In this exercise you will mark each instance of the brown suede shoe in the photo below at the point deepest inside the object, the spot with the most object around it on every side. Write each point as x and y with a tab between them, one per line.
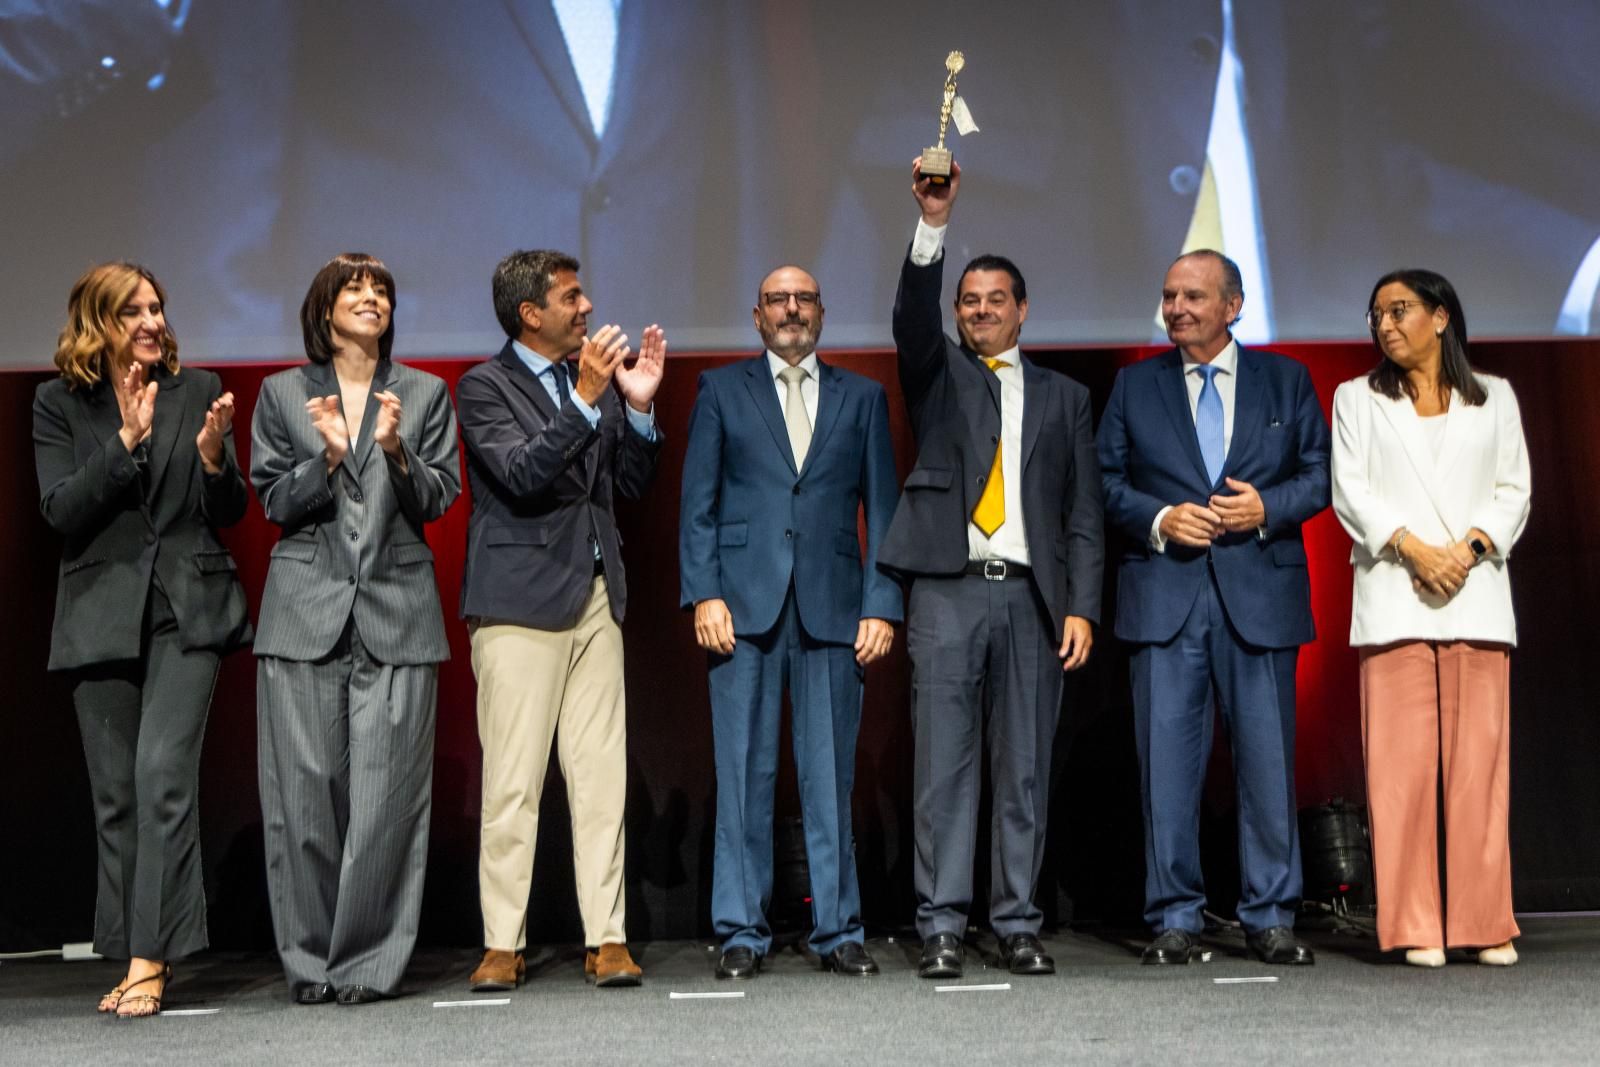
611	966
501	969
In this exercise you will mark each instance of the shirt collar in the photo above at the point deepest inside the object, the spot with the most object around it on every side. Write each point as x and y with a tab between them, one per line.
532	360
1012	356
1227	361
775	364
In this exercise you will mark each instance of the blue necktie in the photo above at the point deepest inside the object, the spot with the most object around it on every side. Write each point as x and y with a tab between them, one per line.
1208	423
558	375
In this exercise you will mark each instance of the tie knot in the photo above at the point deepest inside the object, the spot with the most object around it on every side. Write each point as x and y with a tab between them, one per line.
995	364
793	375
1207	371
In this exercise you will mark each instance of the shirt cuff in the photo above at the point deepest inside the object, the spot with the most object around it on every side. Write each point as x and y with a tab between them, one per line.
643	423
1158	543
592	414
928	244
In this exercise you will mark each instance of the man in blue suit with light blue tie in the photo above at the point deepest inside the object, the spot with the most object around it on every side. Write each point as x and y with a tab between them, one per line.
785	452
1212	456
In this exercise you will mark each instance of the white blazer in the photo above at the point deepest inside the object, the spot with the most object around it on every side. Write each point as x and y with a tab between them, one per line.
1385	476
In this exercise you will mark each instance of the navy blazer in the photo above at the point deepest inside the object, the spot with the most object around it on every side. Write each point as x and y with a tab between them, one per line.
750	522
1150	458
542	484
117	537
954	402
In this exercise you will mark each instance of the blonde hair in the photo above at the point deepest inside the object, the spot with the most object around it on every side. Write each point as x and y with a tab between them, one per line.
89	336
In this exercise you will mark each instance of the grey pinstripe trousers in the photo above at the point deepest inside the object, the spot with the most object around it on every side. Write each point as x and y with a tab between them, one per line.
346	766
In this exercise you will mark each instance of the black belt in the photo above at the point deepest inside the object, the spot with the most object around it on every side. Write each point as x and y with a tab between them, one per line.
998	570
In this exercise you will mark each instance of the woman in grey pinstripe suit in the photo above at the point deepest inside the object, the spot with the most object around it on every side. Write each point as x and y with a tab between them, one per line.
351	455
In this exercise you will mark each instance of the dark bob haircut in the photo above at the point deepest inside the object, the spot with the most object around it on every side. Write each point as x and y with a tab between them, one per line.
317	308
1435	291
1019	288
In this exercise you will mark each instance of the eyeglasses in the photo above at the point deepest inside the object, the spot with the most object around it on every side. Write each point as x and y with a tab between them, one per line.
1395	311
779	299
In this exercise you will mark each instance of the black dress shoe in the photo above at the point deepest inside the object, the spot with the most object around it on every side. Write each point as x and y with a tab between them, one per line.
313	993
360	994
850	958
941	957
1171	946
1277	944
737	962
1024	954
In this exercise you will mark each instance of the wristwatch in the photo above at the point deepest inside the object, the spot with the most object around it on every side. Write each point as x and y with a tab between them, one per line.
1479	549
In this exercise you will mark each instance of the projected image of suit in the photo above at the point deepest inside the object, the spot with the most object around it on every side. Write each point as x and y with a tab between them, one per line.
679	150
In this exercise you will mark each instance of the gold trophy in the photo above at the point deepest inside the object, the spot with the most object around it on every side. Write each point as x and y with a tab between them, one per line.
936	160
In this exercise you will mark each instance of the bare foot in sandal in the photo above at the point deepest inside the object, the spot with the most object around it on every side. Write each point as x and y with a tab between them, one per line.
108	1003
142	997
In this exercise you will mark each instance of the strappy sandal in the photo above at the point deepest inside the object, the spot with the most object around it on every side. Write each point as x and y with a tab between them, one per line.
109	1002
144	1005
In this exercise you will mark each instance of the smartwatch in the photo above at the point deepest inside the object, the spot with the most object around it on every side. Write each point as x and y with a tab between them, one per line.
1479	549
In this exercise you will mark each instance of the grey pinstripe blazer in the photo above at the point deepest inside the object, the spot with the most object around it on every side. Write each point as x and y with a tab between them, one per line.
352	542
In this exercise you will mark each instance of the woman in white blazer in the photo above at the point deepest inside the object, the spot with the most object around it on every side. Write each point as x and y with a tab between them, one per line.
1430	479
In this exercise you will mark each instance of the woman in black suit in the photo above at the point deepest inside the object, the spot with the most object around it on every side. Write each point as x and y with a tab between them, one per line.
136	472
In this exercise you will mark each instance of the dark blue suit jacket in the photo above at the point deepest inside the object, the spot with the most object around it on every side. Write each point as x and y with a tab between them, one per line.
1150	458
543	482
750	522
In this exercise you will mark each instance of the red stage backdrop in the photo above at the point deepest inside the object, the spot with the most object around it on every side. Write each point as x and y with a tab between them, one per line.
1094	866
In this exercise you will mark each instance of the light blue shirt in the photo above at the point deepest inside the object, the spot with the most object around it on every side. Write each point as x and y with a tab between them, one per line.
544	370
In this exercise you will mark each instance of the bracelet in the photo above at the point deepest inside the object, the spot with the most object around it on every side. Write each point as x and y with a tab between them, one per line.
1398	541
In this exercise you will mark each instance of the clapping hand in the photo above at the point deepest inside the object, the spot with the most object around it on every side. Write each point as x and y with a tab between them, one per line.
329	421
387	432
137	401
219	419
598	361
638	383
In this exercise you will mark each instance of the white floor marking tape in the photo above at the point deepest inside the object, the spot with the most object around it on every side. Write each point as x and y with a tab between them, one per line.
192	1011
995	988
735	995
475	1003
1240	981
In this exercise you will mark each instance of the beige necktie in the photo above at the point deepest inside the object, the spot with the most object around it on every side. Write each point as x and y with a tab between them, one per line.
990	514
795	418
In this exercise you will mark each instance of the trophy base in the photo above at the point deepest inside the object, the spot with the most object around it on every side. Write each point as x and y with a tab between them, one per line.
936	165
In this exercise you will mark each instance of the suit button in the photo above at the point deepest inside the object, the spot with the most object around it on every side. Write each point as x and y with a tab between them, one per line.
356	497
787	534
149	537
980	479
1185	180
797	490
994	439
354	536
350	580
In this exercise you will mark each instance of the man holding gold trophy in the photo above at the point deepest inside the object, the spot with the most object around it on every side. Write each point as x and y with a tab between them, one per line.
999	535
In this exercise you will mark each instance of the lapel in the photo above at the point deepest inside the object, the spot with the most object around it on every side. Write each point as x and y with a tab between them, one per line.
1414	443
1169	383
362	447
1034	386
830	387
526	382
1248	394
982	418
764	394
541	31
166	431
100	407
320	381
1458	430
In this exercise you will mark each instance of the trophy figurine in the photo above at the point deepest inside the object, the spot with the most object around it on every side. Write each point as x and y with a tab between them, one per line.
936	160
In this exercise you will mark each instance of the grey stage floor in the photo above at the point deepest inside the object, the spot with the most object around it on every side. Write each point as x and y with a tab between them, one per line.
1354	1007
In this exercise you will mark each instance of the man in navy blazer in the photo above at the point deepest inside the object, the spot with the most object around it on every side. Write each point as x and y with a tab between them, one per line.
1001	536
1212	456
785	452
555	426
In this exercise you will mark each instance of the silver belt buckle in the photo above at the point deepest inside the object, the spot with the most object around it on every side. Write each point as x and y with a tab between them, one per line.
994	570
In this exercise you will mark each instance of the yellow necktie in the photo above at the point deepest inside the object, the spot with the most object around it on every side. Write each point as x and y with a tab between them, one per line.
990	514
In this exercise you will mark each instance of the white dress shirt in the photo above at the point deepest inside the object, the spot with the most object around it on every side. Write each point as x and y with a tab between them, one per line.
808	385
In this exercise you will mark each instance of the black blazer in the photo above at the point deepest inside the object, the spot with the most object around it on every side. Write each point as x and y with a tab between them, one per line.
117	537
954	403
542	484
